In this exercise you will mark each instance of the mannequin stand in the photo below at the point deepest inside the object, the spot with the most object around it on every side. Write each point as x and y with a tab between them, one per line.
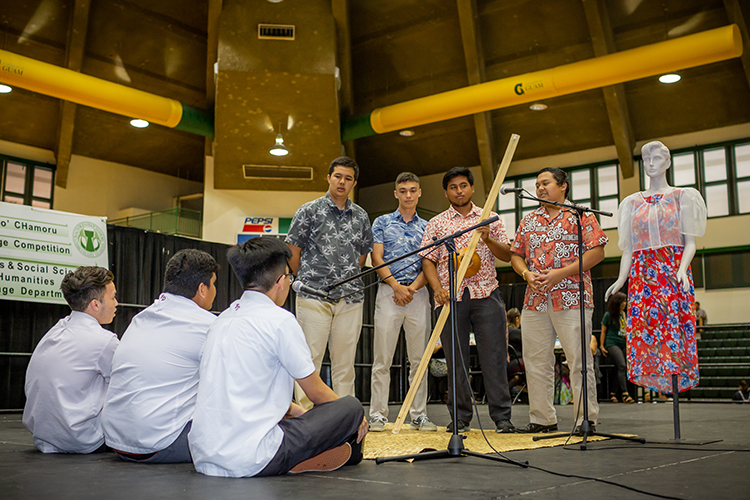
676	418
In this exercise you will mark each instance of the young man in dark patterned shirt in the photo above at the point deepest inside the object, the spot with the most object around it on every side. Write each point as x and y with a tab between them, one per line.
330	238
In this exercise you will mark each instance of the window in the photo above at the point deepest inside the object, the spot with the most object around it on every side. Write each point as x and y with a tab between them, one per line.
720	172
741	153
595	186
27	183
729	269
715	176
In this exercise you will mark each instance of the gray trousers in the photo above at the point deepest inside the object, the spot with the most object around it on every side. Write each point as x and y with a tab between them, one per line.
176	453
389	318
486	318
319	429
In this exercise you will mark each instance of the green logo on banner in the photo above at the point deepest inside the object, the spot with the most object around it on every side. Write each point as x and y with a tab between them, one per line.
88	239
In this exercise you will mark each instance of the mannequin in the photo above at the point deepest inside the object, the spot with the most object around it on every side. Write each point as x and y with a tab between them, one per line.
657	229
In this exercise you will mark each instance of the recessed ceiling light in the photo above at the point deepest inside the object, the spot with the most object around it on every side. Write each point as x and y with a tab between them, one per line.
670	78
538	106
407	133
4	89
138	123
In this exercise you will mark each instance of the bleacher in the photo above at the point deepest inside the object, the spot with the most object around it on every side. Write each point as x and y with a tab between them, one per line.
724	360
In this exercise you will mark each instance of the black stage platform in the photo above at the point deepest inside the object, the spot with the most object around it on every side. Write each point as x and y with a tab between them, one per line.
714	471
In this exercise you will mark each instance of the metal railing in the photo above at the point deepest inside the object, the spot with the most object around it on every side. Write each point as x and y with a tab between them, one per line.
177	221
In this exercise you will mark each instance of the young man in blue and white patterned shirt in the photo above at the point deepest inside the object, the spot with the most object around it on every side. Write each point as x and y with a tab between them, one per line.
330	238
402	300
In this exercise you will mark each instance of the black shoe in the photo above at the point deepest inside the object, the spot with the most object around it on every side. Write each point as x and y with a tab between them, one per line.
579	431
505	427
462	426
533	428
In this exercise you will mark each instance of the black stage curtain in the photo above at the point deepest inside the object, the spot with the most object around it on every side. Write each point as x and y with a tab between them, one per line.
138	258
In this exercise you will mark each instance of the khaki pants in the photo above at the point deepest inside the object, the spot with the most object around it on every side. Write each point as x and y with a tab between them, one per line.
338	326
538	334
389	318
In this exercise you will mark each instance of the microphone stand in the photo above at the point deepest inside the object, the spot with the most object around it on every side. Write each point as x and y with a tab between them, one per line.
586	426
455	444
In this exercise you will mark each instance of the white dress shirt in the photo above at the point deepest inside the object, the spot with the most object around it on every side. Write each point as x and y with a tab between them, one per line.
254	352
154	381
66	382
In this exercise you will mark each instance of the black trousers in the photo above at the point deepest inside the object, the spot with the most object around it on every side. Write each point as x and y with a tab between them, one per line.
486	318
617	355
319	429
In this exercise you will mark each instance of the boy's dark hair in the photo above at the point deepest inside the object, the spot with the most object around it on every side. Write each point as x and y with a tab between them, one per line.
406	177
187	269
344	161
560	176
259	262
456	172
85	284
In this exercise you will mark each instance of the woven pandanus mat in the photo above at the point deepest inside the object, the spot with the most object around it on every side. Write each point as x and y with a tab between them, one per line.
409	441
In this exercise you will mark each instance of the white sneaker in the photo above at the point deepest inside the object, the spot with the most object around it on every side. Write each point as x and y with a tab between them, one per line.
377	424
422	423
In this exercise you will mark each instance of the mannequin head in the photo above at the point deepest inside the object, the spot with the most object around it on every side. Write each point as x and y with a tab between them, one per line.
656	159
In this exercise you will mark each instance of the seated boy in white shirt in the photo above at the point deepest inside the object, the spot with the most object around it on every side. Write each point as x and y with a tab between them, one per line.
245	423
68	373
151	396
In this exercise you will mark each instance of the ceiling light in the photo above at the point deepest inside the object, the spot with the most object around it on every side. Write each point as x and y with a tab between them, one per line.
4	89
279	149
538	106
407	133
670	78
138	123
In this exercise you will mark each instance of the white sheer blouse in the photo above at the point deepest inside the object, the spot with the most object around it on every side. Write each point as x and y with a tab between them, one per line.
647	222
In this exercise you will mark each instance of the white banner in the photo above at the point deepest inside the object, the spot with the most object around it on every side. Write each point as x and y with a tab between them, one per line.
38	247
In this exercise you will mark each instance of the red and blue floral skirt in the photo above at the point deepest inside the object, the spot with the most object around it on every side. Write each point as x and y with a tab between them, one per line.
661	322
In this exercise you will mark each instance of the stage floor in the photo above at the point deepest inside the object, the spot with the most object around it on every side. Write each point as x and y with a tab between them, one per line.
714	471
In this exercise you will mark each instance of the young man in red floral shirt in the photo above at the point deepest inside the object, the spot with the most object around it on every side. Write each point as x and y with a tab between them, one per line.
479	308
545	254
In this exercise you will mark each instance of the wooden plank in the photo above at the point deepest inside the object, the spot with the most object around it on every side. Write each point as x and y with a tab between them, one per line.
468	17
602	39
74	51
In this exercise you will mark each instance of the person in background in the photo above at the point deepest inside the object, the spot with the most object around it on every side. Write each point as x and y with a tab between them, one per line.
701	317
515	356
743	394
613	342
69	371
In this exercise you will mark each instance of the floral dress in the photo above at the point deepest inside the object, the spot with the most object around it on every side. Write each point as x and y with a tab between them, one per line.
660	320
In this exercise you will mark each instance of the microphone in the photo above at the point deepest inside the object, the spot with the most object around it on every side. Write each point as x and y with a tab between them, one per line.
298	287
506	190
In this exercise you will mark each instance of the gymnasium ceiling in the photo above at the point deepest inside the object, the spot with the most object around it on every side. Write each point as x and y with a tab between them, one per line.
400	50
